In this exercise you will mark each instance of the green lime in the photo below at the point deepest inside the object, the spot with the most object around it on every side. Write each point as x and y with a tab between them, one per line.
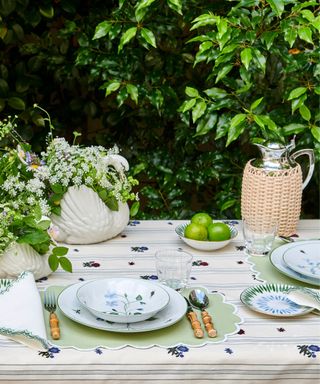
201	218
196	231
218	232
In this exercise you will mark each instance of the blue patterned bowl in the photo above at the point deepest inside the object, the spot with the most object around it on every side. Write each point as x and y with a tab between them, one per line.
123	300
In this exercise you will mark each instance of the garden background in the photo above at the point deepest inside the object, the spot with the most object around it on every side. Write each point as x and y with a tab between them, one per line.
183	87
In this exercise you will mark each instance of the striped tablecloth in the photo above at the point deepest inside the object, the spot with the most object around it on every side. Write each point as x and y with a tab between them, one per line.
264	349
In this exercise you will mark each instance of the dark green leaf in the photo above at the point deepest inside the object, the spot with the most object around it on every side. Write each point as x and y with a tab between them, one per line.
305	34
17	103
112	203
134	208
246	57
216	93
227	204
255	104
128	35
102	29
60	251
142	8
277	6
268	38
133	92
44	224
258	121
198	110
305	112
259	59
47	11
187	105
191	92
316	23
53	262
295	93
290	35
176	5
316	133
272	126
235	127
58	188
65	264
203	20
35	237
149	37
112	87
293	128
206	124
307	14
223	72
296	103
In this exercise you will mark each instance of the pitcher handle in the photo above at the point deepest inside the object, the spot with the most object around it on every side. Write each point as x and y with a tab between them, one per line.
310	154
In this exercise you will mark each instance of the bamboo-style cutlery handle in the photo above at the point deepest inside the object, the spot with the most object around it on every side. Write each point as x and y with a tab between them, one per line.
195	323
54	326
207	321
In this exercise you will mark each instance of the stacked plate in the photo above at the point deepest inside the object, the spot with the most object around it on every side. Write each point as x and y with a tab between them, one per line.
122	305
299	260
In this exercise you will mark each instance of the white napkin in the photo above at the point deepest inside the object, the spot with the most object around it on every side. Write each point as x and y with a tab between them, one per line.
21	315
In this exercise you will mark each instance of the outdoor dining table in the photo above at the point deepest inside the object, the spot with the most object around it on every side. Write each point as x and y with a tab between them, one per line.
251	347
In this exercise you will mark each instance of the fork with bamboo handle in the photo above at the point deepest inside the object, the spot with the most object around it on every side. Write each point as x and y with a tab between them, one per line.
50	305
201	301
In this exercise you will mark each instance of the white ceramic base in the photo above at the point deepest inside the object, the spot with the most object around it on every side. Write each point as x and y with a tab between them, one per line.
22	257
85	219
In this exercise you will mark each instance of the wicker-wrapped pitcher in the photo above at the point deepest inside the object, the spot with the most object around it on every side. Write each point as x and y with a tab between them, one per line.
272	187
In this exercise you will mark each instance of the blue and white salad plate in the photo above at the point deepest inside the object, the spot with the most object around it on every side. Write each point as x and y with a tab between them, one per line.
304	258
273	300
276	259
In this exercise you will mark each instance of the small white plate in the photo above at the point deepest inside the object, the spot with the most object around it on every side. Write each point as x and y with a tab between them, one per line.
304	258
205	245
171	314
272	299
276	259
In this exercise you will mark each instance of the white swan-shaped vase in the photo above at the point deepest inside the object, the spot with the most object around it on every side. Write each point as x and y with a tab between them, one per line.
85	219
18	258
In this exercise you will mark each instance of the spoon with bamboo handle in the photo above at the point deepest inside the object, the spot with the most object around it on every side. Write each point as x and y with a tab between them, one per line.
201	301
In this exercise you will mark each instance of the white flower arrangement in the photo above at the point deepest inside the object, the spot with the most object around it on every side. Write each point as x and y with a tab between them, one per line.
32	186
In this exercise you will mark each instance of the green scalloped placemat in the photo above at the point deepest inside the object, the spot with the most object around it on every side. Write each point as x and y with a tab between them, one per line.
267	272
74	335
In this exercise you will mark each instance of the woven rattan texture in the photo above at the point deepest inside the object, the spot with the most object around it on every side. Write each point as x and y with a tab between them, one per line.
268	197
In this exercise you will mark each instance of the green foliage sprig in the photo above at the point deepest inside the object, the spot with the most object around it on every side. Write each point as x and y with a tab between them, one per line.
145	56
23	211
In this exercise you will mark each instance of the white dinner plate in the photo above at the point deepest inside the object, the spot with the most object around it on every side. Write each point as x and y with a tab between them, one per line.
171	314
304	258
276	258
272	299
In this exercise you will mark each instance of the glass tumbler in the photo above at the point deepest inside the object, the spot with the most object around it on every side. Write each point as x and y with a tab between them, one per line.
173	267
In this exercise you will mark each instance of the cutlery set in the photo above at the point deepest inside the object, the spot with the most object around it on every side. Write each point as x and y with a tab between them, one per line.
68	300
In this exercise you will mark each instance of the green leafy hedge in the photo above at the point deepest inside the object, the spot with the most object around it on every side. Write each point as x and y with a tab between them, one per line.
183	87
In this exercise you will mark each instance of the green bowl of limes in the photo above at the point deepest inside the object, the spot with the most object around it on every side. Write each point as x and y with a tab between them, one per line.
205	234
